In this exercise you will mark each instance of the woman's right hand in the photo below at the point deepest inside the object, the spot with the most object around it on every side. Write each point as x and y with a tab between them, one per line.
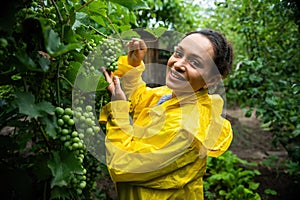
114	86
136	51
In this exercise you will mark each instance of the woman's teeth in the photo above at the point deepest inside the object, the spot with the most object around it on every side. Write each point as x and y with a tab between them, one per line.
176	75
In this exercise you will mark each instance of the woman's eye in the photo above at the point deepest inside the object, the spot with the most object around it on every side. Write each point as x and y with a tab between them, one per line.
195	63
178	54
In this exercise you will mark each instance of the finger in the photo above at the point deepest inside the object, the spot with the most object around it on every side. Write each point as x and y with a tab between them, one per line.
134	44
108	79
129	46
116	81
106	74
143	45
118	92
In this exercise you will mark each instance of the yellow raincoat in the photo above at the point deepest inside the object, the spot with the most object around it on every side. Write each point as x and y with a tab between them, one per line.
159	151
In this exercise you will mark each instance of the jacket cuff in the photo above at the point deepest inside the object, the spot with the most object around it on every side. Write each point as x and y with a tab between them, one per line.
124	67
116	109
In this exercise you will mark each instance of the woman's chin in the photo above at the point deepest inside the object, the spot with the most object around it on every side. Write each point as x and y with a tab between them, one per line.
182	89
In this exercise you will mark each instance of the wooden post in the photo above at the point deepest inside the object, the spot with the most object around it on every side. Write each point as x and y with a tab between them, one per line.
154	75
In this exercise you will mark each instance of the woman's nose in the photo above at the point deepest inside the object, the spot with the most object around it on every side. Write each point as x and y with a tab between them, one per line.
180	64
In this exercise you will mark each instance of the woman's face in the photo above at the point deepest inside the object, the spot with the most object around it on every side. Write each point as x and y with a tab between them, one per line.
189	67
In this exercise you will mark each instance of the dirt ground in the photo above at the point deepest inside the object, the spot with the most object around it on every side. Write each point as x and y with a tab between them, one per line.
253	144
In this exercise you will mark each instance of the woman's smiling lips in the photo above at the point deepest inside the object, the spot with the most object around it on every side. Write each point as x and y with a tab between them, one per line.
176	75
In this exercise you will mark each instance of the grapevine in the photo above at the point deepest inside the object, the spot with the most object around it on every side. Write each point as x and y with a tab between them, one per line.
46	45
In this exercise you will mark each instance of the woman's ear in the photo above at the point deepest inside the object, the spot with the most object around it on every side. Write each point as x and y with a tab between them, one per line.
213	80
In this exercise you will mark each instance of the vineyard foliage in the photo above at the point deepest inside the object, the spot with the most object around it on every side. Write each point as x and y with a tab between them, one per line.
51	85
265	79
45	46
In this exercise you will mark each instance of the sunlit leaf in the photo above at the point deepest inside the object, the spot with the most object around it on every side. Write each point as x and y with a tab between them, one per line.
156	32
90	83
133	4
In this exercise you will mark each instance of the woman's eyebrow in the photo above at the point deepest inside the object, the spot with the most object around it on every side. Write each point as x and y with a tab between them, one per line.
196	56
178	47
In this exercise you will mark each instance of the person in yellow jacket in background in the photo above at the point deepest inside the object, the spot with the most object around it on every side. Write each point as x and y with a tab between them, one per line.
158	139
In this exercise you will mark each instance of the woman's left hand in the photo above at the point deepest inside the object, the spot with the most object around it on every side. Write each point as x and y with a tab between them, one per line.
114	86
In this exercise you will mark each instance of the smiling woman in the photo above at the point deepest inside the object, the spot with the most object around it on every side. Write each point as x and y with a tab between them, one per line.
190	66
158	139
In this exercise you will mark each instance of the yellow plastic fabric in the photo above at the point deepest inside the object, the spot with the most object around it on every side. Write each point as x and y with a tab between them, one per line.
159	151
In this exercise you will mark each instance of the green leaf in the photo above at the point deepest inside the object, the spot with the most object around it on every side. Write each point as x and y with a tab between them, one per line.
63	165
81	19
253	185
90	83
266	126
46	107
53	43
25	102
133	4
44	63
270	192
70	36
25	60
156	32
99	20
40	168
97	8
271	101
59	193
73	71
129	34
54	46
50	126
27	106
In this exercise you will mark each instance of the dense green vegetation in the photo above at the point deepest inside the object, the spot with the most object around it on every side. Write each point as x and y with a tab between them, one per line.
49	111
266	77
47	125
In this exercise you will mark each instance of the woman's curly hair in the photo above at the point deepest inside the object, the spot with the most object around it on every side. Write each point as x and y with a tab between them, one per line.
223	51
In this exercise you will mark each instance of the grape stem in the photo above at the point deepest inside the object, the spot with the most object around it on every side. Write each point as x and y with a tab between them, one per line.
57	10
43	134
77	10
62	77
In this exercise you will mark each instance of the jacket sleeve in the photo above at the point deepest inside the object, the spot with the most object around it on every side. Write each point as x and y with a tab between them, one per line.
134	87
217	133
131	76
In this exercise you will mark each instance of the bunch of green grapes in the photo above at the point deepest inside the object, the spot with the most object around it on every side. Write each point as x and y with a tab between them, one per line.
105	54
110	50
85	118
94	172
40	9
45	92
91	52
90	46
65	60
87	125
73	140
66	123
79	181
89	68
